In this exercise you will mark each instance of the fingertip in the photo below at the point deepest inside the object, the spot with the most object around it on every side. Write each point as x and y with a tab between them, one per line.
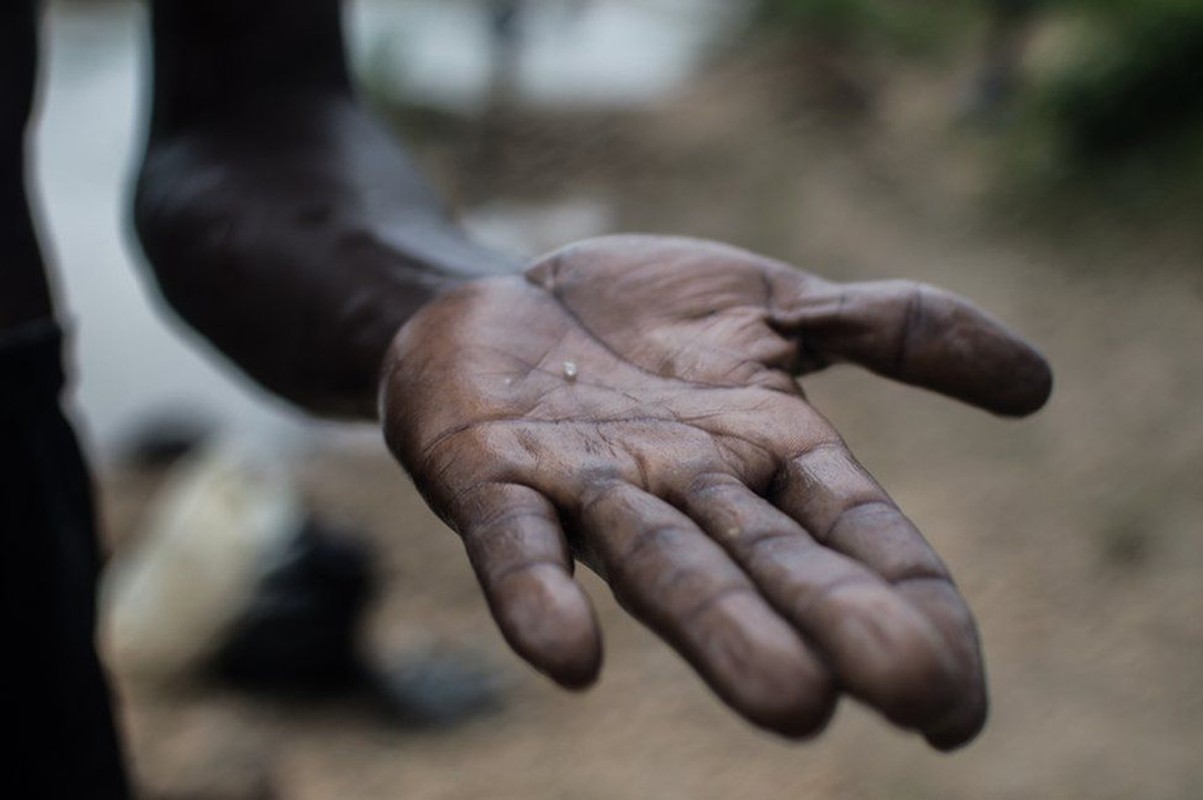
960	730
962	724
806	716
790	695
890	657
1032	386
547	619
919	684
760	666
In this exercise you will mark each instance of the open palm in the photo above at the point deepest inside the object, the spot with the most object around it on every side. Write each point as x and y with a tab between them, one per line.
632	402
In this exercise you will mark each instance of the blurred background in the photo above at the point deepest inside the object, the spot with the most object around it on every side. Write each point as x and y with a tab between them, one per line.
1043	158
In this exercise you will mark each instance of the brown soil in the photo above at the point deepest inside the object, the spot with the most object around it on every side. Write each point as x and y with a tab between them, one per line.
1075	535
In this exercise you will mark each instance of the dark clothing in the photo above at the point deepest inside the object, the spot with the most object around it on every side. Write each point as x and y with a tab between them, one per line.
53	700
62	741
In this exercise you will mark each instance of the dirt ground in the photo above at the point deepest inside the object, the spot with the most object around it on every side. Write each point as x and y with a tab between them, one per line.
1075	534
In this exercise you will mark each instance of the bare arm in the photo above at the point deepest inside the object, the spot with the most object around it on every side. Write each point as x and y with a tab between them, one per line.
280	220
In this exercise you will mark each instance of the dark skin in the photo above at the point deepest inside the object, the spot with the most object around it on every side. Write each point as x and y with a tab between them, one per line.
629	402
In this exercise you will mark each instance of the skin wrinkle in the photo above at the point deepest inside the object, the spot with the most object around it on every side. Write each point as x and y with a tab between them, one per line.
530	447
643	539
928	567
641	463
505	419
671	487
596	492
815	598
680	581
756	551
766	282
709	603
490	556
498	578
759	542
484	528
921	580
682	633
749	551
948	647
749	542
561	385
614	448
576	320
738	464
755	543
668	360
707	482
911	321
739	541
454	500
789	463
855	506
827	591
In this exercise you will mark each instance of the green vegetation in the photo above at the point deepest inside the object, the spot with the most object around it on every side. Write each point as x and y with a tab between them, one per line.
917	26
1112	102
1138	85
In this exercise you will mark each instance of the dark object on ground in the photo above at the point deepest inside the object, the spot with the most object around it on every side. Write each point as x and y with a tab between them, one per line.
164	438
299	632
299	639
435	689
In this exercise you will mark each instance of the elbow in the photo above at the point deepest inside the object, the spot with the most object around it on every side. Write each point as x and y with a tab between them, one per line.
177	212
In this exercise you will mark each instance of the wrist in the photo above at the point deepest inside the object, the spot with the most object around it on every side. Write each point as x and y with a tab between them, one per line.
424	342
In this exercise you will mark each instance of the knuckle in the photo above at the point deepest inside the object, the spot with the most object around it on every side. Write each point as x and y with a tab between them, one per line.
857	509
598	491
647	539
710	483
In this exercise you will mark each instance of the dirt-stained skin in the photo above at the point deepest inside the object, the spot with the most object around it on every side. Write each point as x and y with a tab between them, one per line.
631	402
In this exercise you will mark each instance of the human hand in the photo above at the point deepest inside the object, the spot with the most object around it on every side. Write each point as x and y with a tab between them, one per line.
632	402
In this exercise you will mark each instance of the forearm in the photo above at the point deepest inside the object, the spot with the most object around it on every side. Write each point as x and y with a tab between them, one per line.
213	58
281	221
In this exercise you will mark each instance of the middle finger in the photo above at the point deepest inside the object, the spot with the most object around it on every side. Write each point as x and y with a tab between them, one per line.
672	578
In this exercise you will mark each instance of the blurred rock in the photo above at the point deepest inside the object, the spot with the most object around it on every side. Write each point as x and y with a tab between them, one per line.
223	515
436	689
298	632
164	438
233	580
